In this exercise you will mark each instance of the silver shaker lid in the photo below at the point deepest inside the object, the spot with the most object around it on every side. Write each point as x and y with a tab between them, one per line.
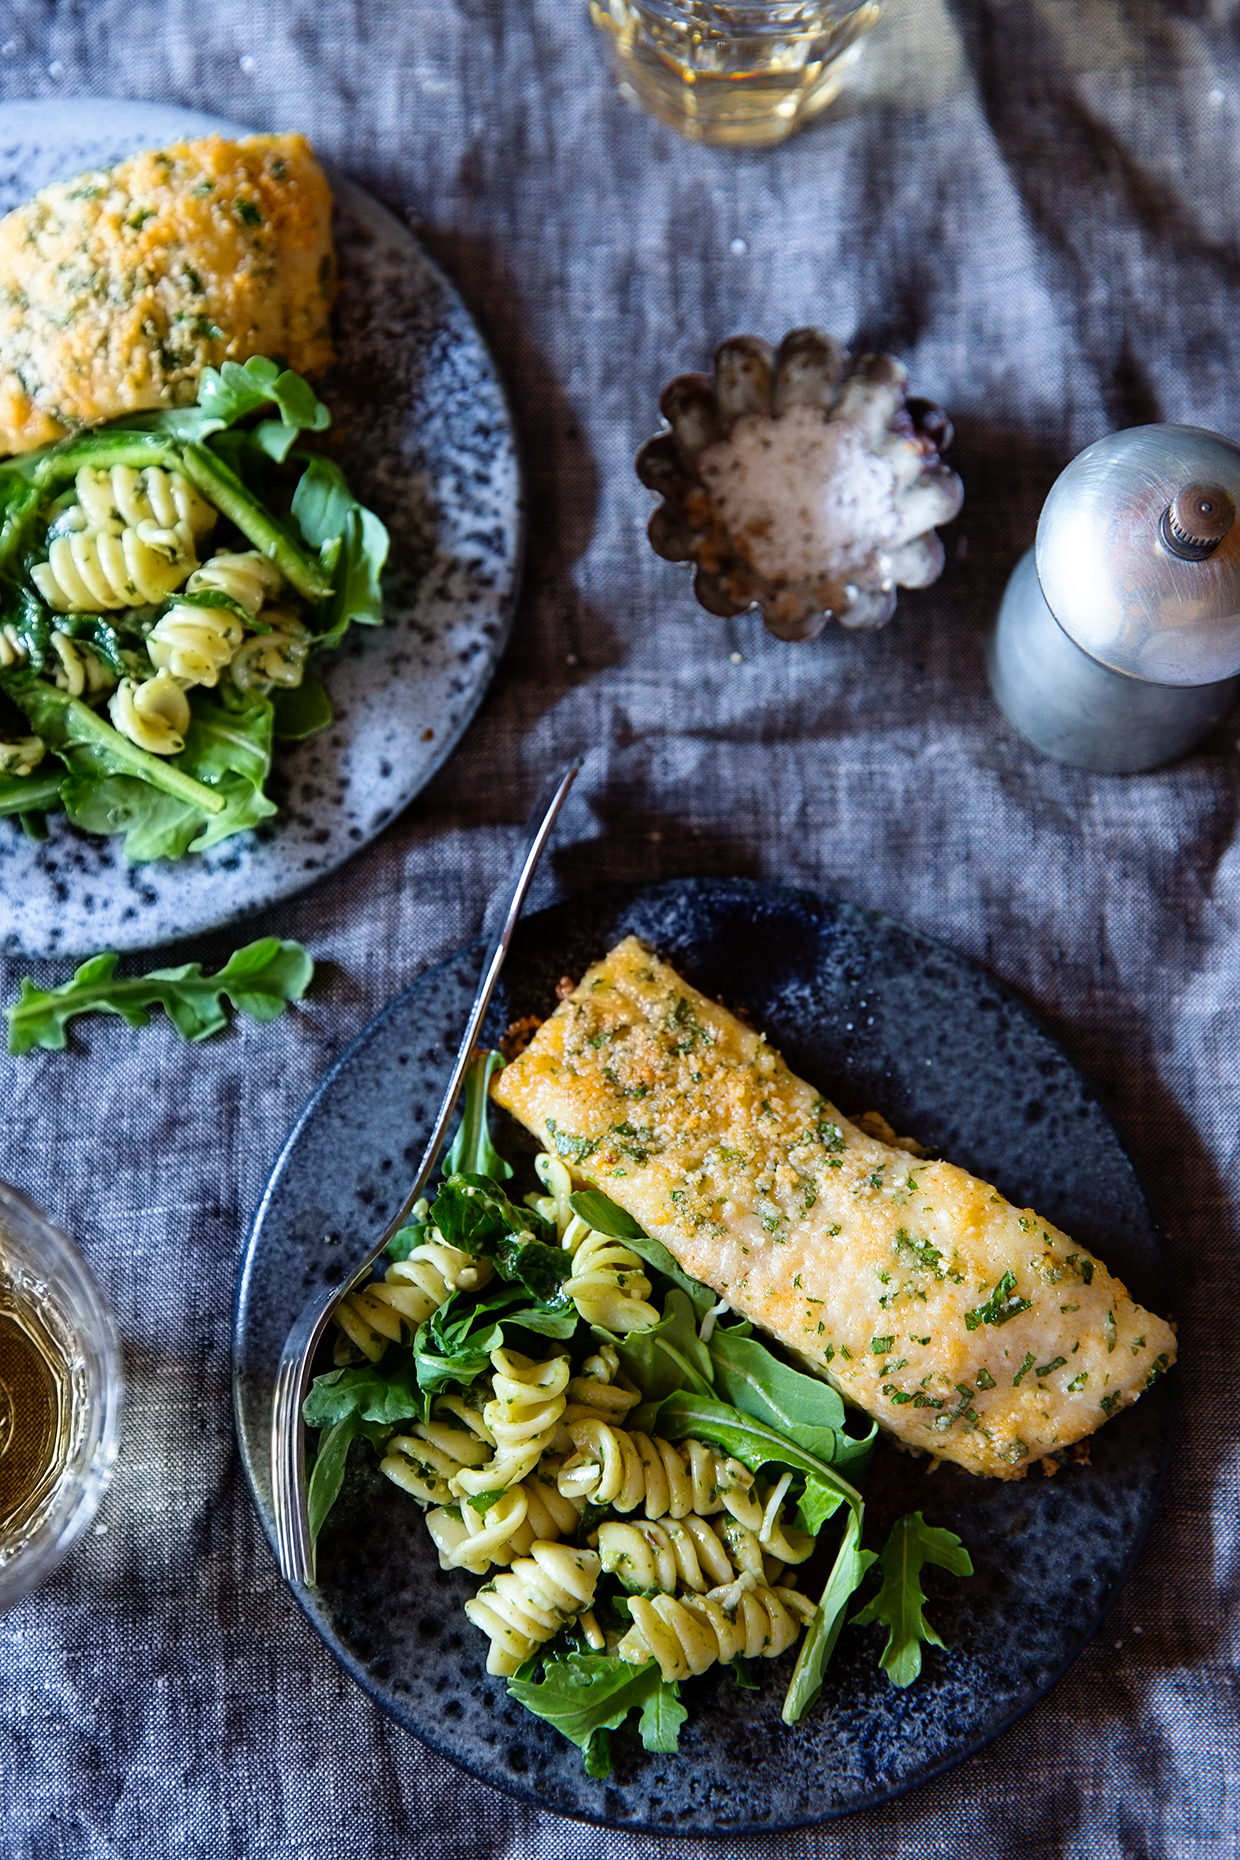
1138	554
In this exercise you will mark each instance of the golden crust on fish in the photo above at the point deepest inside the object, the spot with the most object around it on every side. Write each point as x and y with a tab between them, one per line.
969	1328
119	287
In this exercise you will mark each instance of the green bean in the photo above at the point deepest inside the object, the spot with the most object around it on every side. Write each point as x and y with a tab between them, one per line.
101	451
223	488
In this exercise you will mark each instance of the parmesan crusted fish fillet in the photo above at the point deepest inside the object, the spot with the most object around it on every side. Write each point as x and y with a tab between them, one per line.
119	287
969	1328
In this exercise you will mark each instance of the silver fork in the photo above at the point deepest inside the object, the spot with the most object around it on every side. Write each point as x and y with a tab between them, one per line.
288	1441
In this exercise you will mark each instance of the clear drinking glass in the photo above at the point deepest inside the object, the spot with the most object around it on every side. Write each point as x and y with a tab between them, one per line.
60	1394
750	72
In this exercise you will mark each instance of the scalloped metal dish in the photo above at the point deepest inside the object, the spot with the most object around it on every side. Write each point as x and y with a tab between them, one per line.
425	435
880	1017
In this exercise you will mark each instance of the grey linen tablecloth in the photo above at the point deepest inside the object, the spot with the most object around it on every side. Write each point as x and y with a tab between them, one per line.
1034	203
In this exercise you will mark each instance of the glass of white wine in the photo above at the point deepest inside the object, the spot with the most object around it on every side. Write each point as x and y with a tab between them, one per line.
60	1396
735	71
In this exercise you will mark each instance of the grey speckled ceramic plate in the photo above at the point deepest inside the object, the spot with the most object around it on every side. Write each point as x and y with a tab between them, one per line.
427	439
880	1018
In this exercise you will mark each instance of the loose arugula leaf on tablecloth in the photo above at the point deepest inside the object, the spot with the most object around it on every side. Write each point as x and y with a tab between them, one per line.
585	1695
898	1605
260	980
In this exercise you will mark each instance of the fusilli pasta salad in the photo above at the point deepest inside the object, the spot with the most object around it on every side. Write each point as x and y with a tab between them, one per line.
637	1478
164	583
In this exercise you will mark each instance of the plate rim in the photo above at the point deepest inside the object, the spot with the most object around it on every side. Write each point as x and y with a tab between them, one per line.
620	891
208	123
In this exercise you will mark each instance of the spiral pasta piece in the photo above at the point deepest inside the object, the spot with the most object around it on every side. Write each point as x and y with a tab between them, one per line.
688	1633
275	658
88	571
532	1601
625	1470
424	1460
608	1284
391	1309
12	652
21	755
124	498
471	1537
153	714
246	577
80	671
529	1399
597	1394
194	644
131	538
664	1555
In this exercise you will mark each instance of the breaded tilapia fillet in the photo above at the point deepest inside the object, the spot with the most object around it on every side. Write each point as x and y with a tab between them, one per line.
969	1328
119	287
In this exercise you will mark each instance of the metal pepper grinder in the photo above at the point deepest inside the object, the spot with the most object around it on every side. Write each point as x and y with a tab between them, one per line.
1117	644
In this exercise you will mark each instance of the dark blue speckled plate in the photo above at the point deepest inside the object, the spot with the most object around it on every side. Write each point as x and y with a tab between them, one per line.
880	1018
423	430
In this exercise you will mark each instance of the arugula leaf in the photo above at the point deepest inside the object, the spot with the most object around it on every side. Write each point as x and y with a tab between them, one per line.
583	1694
815	1506
260	980
668	1357
847	1574
19	503
227	753
301	712
470	1211
686	1415
898	1605
804	1408
327	1473
454	1344
322	501
89	746
401	1245
473	1152
661	1718
235	390
381	1392
24	794
601	1213
355	566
